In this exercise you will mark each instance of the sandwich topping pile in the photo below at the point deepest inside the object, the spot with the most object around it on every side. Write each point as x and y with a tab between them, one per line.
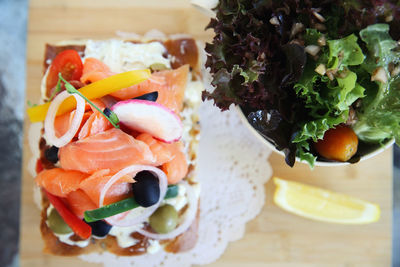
118	150
317	79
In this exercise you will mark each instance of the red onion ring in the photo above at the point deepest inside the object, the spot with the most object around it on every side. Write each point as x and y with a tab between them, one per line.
190	215
51	116
124	219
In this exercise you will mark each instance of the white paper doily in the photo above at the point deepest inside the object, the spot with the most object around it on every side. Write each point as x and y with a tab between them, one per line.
232	169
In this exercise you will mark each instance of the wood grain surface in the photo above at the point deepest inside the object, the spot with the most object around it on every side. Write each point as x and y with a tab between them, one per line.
274	238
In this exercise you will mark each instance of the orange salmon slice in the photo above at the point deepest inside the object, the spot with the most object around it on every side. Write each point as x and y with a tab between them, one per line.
94	70
112	149
96	123
170	84
62	123
79	202
177	168
170	156
60	182
162	152
96	182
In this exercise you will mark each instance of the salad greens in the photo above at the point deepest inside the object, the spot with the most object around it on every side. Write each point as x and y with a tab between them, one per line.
379	117
298	68
327	98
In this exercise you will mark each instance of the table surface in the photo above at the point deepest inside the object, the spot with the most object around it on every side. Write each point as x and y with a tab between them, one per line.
274	238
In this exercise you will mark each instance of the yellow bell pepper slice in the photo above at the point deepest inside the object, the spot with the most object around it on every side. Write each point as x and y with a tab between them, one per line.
92	91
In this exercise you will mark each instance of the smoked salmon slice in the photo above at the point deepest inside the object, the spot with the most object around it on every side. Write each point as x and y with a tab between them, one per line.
112	149
79	202
170	84
94	70
170	156
63	122
177	168
162	152
60	182
93	121
96	182
96	123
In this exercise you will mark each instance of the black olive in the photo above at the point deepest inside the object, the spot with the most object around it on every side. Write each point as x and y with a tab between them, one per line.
149	97
107	112
51	154
146	190
100	228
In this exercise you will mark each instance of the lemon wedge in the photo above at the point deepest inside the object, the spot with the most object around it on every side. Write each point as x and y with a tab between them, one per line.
323	205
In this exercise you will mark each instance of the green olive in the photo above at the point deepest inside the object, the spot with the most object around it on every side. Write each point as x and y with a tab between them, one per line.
164	219
57	224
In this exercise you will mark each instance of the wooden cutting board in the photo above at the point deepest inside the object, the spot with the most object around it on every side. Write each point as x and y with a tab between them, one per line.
274	238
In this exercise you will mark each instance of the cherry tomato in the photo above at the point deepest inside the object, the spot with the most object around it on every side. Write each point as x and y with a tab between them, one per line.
69	63
338	144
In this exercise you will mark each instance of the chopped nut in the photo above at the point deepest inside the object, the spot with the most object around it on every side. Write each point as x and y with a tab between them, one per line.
296	28
312	49
274	21
319	16
352	119
379	75
321	69
322	41
389	18
330	74
342	74
395	71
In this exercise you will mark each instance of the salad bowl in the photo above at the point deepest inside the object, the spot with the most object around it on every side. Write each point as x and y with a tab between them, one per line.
313	85
365	151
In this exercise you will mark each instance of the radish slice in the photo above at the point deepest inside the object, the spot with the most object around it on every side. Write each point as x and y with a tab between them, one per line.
190	215
51	116
138	215
149	117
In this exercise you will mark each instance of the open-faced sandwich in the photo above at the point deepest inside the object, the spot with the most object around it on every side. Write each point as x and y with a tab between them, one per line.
118	146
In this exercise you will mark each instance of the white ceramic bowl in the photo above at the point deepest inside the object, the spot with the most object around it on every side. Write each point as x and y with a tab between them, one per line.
366	152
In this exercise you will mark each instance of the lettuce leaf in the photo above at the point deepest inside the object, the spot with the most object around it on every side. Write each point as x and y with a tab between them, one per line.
324	97
379	116
381	47
328	101
316	129
381	119
344	52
